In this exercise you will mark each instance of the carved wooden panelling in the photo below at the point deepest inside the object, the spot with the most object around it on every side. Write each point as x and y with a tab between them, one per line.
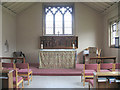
59	42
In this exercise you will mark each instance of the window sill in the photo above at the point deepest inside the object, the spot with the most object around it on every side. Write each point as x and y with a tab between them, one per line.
58	35
113	46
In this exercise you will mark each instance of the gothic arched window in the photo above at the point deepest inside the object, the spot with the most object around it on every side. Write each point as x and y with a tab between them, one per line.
58	20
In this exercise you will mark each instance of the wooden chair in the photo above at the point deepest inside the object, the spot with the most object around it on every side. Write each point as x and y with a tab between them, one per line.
24	71
92	53
117	67
17	80
106	67
88	71
8	66
1	66
99	52
91	84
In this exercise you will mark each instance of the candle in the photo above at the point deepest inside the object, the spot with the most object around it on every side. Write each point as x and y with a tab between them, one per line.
41	46
73	46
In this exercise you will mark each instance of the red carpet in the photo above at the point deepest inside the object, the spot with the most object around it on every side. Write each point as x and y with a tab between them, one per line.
56	72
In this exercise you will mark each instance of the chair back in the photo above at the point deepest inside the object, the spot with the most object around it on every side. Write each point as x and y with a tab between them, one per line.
106	65
15	75
22	65
99	52
117	66
8	65
92	53
0	65
91	67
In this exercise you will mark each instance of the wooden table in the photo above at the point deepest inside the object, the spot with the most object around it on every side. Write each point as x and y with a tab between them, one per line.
13	58
107	73
102	58
106	84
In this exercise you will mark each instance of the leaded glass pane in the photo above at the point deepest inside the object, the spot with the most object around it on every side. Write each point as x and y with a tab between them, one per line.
58	23
54	10
68	23
63	9
68	30
49	23
49	30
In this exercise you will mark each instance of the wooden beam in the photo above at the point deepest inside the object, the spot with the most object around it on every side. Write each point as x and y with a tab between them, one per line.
9	9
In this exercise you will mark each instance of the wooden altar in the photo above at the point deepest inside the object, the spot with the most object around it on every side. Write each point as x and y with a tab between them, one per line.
57	58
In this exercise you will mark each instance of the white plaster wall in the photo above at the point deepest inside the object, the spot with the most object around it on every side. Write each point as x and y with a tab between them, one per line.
88	28
0	30
29	30
0	40
8	33
107	50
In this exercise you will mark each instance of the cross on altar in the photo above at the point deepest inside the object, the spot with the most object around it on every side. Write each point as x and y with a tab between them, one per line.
58	33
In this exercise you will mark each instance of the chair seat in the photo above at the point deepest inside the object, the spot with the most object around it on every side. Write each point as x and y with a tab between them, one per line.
105	71
88	79
10	68
117	70
26	78
24	71
91	82
19	79
89	72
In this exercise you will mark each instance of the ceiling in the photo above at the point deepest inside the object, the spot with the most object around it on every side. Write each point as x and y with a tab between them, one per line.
101	7
17	7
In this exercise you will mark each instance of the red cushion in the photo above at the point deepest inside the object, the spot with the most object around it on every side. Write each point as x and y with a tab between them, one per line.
117	66
88	79
89	72
117	70
91	82
91	67
105	71
7	65
22	65
106	65
24	71
19	79
10	68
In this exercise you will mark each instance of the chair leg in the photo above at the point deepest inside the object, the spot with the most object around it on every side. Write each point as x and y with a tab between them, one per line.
17	87
22	84
81	78
84	81
28	79
31	76
89	86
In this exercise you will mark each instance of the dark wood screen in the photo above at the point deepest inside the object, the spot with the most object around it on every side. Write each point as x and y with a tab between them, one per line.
58	42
